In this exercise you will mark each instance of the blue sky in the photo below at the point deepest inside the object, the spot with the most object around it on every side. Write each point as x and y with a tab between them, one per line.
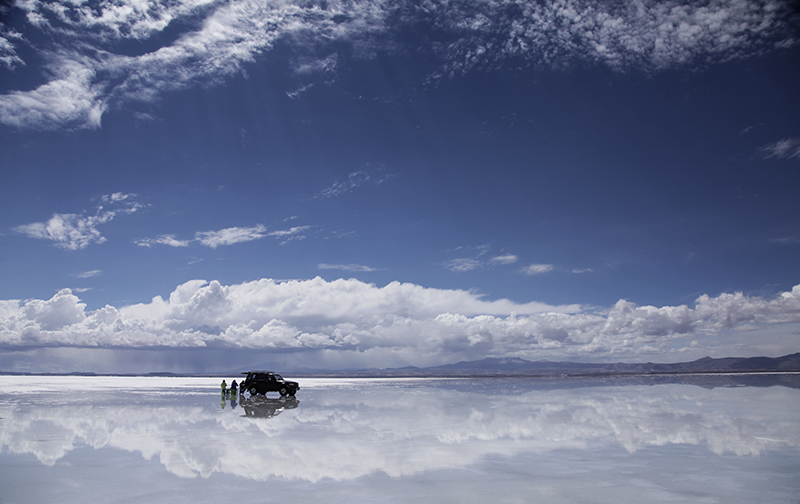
373	184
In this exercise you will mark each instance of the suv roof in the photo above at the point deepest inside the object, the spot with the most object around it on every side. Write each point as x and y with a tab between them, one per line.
258	372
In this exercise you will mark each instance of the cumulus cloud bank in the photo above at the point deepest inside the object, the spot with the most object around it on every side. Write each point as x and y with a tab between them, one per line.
410	323
86	74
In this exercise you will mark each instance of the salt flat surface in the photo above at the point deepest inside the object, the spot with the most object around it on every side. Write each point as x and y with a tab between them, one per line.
15	385
164	439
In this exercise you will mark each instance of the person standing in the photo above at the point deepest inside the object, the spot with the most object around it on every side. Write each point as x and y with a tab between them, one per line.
224	387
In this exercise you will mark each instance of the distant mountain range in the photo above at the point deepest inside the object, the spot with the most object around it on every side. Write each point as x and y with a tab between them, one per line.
513	366
520	367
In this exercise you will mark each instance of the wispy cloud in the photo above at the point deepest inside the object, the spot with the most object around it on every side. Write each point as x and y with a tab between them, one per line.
345	267
355	180
504	259
786	240
86	75
475	260
479	260
353	319
8	39
537	269
787	148
287	235
751	127
167	239
78	231
88	274
81	88
648	35
227	236
462	264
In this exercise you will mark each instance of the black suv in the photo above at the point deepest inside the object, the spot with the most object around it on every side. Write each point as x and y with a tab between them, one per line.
261	382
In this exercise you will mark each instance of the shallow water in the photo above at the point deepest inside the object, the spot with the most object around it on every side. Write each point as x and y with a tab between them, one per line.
116	439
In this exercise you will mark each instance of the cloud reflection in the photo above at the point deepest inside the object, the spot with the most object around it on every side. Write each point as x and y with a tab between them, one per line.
343	430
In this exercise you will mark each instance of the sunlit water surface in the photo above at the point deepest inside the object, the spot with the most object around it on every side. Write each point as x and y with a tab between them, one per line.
115	439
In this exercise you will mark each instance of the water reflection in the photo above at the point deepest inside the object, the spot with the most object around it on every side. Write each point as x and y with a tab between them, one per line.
346	430
263	407
231	396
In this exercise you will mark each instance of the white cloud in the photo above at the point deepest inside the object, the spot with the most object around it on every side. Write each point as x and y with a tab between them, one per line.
293	233
644	34
109	21
167	239
73	98
504	259
537	269
78	231
116	197
398	324
229	236
232	33
462	264
8	54
787	148
88	274
345	267
69	231
786	240
354	180
325	65
86	77
297	92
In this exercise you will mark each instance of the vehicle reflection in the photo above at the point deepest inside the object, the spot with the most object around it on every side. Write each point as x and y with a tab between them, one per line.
264	407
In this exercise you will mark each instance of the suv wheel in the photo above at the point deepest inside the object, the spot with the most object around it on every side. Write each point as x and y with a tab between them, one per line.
253	391
283	391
